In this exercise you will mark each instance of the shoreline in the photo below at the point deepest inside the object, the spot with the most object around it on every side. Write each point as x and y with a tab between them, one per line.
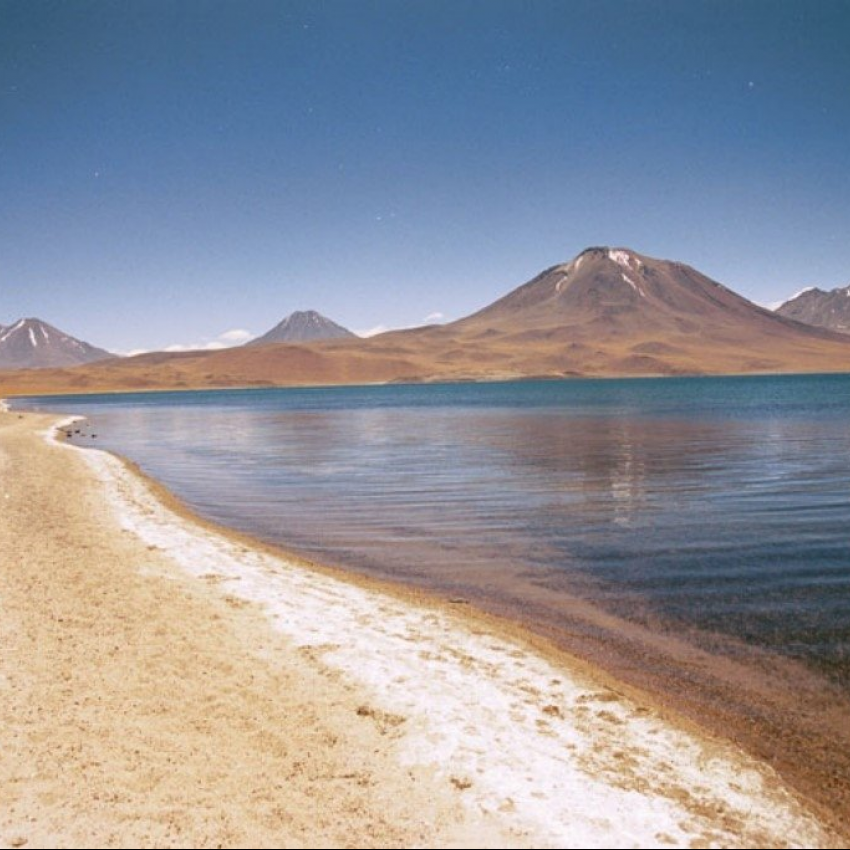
479	702
776	709
581	651
142	707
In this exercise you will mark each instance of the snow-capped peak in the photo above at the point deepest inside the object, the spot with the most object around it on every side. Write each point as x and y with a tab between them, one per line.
621	257
803	291
624	258
31	343
794	297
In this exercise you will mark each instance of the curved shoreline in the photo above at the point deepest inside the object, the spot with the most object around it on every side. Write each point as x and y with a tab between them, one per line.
774	708
141	707
482	702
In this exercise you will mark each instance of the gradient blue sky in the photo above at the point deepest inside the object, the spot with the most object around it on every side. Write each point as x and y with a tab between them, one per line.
170	171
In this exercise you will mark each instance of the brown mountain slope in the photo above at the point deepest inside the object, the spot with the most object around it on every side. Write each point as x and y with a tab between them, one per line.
607	312
604	290
823	309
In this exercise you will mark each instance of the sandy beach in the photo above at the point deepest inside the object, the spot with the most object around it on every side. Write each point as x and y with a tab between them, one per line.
165	683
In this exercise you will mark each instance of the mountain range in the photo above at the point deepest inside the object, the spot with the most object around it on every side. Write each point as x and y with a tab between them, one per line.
825	309
608	311
33	344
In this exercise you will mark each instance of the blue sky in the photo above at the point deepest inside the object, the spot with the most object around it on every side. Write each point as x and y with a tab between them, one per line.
172	171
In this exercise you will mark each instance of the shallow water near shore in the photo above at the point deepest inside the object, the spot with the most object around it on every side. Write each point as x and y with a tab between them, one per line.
703	521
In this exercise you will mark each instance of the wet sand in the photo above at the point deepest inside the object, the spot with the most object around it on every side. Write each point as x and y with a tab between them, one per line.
165	683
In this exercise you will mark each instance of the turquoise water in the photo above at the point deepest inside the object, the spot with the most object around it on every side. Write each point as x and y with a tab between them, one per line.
715	508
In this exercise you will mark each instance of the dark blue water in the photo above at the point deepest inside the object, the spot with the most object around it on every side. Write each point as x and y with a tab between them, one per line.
714	508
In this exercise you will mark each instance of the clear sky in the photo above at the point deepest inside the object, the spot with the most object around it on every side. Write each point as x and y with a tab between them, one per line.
172	171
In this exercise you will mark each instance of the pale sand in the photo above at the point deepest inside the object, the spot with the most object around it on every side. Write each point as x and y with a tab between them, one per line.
164	684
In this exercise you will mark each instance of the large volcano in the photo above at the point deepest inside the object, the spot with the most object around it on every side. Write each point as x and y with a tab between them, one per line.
614	311
605	292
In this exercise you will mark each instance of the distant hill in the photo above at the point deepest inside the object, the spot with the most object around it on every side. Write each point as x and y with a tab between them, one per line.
33	344
608	311
303	326
820	308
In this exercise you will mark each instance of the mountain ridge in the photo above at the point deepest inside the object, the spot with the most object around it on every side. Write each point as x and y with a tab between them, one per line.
607	312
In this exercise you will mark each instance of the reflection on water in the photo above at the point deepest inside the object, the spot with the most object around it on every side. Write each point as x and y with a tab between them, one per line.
719	505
